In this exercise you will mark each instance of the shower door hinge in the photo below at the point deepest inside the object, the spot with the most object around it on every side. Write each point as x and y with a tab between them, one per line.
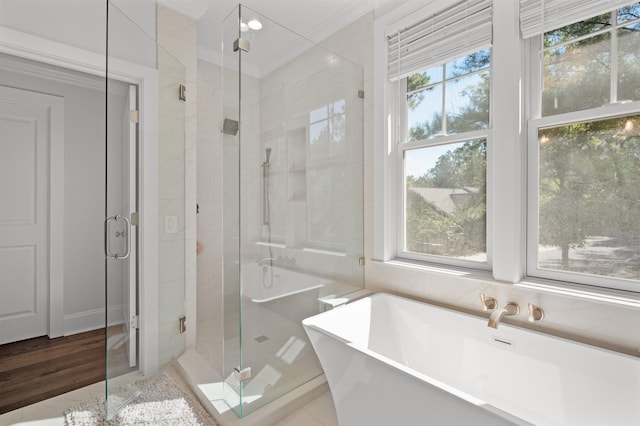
241	44
182	92
242	375
135	219
361	94
361	261
182	324
134	322
134	116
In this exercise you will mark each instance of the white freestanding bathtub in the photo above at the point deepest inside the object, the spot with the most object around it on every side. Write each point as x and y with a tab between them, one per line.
395	361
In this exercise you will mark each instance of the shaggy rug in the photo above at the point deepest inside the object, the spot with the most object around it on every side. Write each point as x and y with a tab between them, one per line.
161	402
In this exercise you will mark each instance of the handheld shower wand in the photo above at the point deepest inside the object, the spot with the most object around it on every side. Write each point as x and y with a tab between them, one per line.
265	189
266	219
266	163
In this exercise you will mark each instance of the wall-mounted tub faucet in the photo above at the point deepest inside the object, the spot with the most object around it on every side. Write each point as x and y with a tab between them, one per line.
488	303
509	309
535	313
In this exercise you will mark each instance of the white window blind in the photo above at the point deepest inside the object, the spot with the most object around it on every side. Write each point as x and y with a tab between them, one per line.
540	16
455	32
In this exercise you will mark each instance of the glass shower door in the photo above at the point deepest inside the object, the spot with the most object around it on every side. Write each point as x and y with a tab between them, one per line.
121	223
144	317
121	254
232	356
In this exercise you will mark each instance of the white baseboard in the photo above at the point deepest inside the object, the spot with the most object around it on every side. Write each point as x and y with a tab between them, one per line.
80	322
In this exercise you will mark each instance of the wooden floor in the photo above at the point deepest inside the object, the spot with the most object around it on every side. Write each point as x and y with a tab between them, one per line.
37	369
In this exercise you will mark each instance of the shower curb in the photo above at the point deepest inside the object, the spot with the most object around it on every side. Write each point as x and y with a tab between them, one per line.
206	384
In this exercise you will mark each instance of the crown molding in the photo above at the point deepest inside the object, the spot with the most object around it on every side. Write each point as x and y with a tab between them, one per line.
61	75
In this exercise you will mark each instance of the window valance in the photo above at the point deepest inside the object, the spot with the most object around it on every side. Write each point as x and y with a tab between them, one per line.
540	16
457	31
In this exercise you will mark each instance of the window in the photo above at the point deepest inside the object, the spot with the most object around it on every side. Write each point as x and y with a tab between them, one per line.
326	174
592	63
437	101
536	176
584	152
444	161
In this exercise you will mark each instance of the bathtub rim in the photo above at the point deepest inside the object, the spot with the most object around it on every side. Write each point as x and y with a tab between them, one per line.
476	316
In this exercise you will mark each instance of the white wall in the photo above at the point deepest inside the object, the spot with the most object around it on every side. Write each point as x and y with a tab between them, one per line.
82	24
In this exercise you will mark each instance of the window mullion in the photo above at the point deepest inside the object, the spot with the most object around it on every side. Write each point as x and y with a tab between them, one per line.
444	97
536	60
447	139
614	58
401	138
400	201
578	39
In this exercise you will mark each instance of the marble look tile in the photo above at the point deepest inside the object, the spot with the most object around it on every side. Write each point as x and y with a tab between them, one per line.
171	179
318	412
171	260
12	417
322	407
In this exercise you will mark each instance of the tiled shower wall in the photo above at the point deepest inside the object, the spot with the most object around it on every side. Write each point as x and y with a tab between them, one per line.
177	180
209	229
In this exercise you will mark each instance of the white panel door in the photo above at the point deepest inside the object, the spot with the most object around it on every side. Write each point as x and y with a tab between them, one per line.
25	149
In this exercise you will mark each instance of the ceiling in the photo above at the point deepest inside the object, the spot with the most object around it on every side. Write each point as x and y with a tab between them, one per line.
289	26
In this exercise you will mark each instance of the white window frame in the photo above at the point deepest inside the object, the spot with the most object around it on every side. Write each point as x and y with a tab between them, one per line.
401	144
505	250
400	183
537	122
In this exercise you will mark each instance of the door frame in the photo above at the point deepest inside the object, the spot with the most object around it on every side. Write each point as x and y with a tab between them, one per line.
28	46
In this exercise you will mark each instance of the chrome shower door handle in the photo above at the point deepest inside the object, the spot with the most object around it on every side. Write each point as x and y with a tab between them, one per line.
125	234
107	240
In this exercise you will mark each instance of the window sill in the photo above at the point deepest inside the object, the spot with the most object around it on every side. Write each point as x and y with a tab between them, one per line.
458	271
579	291
582	291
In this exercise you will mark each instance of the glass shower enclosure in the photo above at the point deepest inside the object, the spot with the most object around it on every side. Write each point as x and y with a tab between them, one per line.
292	136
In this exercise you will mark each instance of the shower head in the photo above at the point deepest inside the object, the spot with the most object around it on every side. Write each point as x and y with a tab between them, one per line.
230	127
268	155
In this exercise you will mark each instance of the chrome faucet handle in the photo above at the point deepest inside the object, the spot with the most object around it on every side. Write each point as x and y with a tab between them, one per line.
488	303
535	313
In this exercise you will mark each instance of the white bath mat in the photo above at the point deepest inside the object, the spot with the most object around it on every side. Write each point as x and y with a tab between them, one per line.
162	403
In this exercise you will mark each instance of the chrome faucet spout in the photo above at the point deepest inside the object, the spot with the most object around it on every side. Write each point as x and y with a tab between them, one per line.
510	309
